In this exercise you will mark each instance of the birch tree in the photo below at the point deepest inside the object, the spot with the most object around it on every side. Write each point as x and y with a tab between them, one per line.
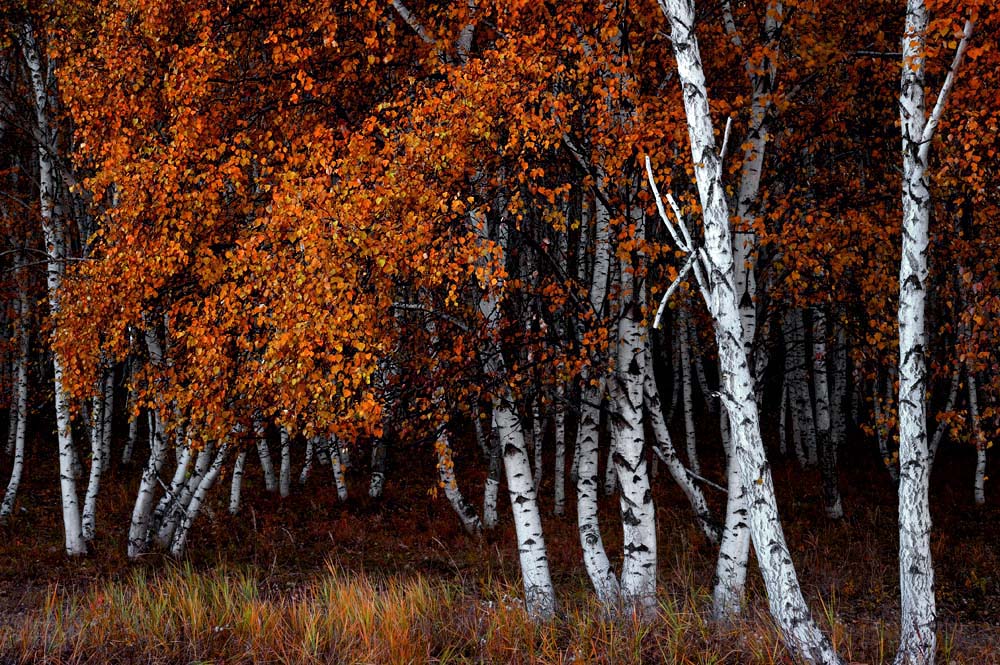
918	641
715	266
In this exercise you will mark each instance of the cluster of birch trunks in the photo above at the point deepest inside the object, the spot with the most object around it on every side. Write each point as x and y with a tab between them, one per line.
525	440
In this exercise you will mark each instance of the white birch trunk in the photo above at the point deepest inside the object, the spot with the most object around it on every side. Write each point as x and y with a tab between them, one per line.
537	434
55	243
824	427
687	397
559	468
979	485
264	453
918	640
335	452
638	578
236	488
788	607
139	527
97	461
175	512
20	402
307	463
492	490
586	450
446	476
172	493
285	473
193	508
942	426
664	449
107	413
377	483
539	594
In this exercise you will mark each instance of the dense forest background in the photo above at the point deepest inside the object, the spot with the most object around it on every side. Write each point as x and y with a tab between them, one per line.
621	318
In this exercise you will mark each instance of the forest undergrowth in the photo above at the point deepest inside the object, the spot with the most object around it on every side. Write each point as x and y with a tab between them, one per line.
311	580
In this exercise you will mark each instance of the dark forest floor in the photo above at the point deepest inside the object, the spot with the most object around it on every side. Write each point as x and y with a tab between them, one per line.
847	568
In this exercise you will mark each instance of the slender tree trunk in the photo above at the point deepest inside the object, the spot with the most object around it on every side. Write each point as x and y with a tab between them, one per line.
918	640
797	372
193	507
559	468
492	490
236	488
539	594
336	453
824	434
307	463
97	462
689	433
20	402
788	607
979	489
377	484
264	453
949	406
55	243
638	580
139	528
446	476
664	449
285	474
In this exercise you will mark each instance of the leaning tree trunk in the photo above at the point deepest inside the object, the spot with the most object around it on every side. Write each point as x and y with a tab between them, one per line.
193	508
446	477
664	450
788	607
139	527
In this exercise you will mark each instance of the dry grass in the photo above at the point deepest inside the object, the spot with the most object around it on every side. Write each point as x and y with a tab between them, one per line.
182	615
409	586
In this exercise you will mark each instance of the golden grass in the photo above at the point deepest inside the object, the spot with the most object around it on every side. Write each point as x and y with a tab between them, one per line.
181	615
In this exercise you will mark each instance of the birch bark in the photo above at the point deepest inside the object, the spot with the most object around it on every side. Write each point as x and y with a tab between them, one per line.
19	421
788	607
918	641
539	594
824	427
55	245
